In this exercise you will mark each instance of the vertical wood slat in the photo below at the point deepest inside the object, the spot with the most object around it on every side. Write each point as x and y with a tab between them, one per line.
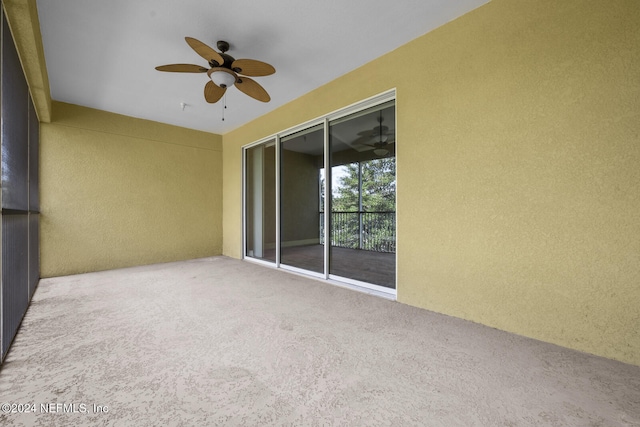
34	158
15	275
34	198
15	127
34	253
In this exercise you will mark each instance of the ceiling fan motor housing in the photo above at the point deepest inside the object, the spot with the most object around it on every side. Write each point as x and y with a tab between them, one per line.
228	60
223	47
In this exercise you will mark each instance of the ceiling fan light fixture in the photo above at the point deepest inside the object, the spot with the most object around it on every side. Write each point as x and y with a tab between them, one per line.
222	77
381	152
381	138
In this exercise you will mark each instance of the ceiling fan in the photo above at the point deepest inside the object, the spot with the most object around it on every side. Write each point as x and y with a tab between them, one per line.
225	71
379	138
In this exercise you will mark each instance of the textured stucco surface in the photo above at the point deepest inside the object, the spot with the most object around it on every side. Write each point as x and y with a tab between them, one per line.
118	191
518	180
527	167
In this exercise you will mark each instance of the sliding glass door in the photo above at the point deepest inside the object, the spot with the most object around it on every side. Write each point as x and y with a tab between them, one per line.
321	197
363	196
260	201
301	158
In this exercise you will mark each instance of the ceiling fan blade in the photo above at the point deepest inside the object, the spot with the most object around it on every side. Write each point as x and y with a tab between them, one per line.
363	140
182	68
251	67
253	89
213	93
205	51
370	141
375	131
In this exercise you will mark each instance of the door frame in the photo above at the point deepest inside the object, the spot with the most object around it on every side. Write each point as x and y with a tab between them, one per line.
325	120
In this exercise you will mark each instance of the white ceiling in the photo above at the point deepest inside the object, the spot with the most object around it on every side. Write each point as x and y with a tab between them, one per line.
102	54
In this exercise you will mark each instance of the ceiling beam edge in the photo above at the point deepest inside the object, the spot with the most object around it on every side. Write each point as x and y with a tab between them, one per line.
24	24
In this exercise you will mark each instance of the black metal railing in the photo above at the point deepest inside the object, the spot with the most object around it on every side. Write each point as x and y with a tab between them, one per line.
369	231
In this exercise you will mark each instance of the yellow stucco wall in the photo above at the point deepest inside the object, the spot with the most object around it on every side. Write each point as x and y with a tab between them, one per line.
518	166
118	191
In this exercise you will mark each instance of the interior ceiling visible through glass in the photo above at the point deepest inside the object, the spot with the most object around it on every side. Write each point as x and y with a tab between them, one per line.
348	134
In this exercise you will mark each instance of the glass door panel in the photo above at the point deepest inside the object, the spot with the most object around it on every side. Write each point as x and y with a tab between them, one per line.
363	189
260	202
301	183
335	217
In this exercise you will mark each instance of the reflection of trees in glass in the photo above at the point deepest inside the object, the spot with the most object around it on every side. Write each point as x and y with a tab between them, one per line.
378	187
322	185
378	206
